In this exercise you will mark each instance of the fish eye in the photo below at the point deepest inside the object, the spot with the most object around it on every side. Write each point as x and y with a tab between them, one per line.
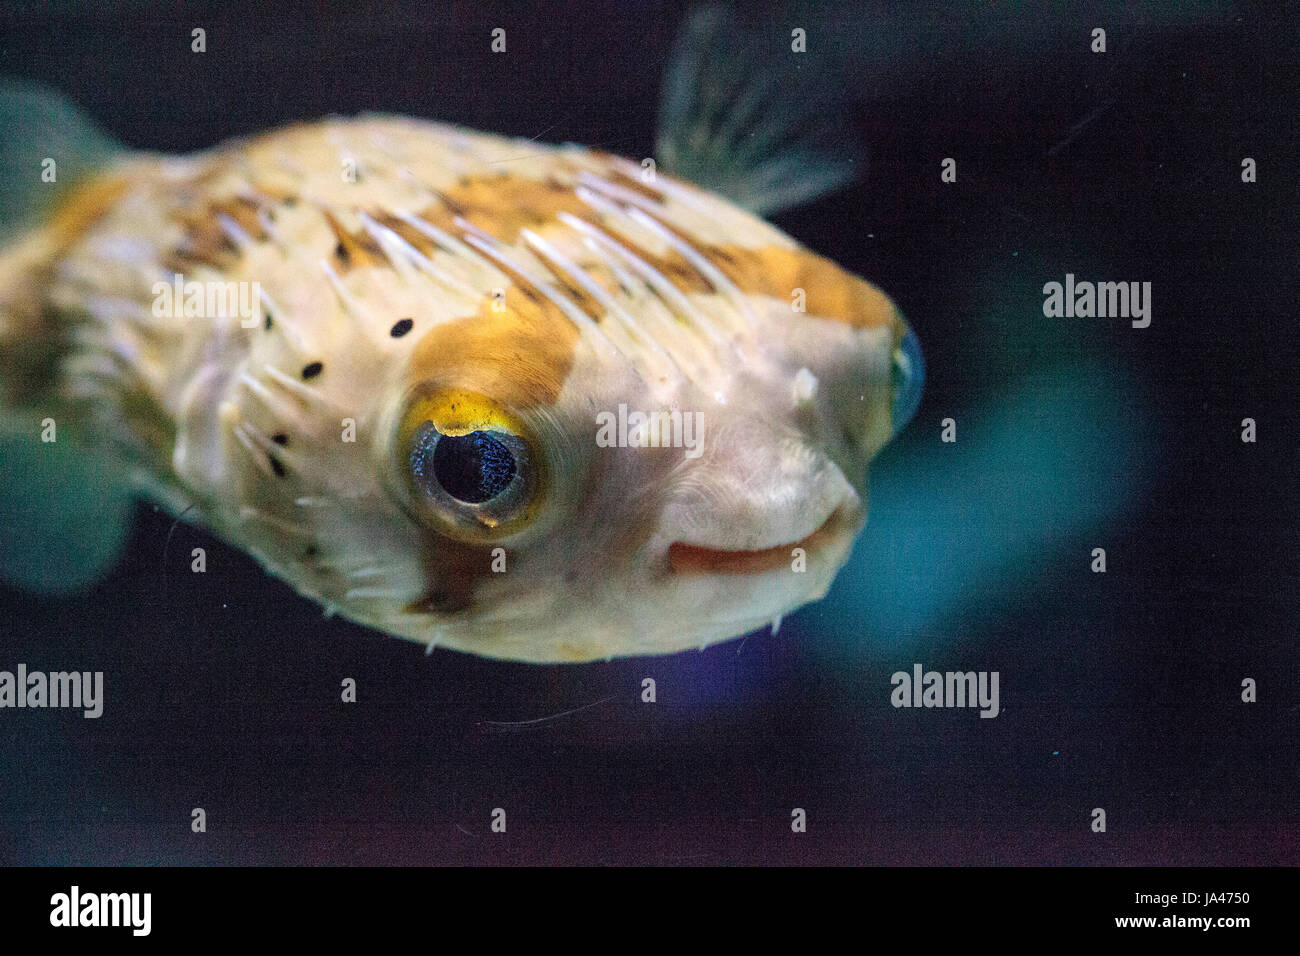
472	468
908	379
468	465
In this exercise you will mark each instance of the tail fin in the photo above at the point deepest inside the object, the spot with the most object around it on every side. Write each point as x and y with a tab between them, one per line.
64	516
50	154
46	145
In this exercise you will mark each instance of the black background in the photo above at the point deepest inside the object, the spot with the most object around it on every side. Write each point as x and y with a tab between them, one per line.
1119	691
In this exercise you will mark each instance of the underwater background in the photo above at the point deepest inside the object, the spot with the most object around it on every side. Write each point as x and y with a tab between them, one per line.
1119	690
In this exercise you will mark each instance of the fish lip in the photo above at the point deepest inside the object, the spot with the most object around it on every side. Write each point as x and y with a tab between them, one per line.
687	558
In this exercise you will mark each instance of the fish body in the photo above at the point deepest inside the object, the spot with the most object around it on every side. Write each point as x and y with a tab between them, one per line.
531	402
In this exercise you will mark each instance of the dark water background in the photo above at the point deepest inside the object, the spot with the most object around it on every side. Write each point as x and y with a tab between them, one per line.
1118	691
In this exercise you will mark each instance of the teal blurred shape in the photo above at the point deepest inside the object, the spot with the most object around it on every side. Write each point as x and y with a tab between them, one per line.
956	526
64	515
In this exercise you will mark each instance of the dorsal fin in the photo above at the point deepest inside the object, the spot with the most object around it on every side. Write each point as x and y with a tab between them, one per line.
746	116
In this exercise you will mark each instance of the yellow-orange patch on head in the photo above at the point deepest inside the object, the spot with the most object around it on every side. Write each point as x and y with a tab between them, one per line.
831	292
518	352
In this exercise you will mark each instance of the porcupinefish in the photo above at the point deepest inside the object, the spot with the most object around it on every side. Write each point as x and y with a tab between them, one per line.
532	402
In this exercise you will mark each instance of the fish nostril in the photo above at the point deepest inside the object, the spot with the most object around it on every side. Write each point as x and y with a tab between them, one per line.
909	379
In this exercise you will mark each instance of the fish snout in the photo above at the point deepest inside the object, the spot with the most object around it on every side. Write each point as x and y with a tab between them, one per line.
759	496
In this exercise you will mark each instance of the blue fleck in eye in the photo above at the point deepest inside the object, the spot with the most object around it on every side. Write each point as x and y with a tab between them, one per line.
473	468
909	379
480	468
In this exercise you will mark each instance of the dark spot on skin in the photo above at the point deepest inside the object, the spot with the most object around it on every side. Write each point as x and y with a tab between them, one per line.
291	201
277	466
462	182
312	370
267	324
280	438
400	328
311	552
341	251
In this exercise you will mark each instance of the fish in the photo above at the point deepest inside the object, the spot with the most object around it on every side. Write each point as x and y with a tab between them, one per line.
532	402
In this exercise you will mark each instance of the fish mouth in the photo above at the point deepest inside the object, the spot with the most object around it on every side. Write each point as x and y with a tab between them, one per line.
684	558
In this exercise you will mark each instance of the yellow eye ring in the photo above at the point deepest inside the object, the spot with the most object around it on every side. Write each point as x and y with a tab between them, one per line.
469	467
456	412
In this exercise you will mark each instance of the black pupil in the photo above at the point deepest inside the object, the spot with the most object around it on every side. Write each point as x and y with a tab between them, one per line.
474	467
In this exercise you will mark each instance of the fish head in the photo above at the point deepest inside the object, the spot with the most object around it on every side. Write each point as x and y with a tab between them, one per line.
578	499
